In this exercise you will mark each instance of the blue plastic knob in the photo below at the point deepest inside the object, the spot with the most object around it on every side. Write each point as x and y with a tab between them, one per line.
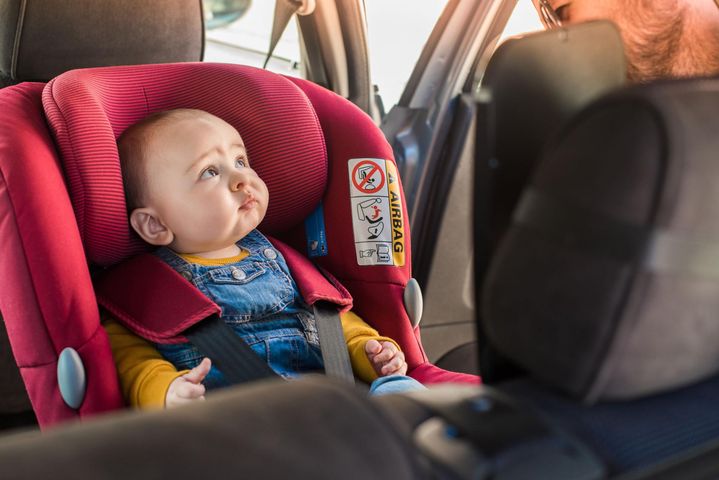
71	378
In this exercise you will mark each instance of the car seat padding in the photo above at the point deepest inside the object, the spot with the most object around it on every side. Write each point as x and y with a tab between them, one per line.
88	109
47	298
157	303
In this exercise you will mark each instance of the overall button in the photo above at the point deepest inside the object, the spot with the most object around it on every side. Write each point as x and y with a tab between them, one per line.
186	275
238	274
270	253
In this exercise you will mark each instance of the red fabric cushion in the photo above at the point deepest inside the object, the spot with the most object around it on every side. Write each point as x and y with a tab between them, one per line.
88	109
377	291
47	299
429	374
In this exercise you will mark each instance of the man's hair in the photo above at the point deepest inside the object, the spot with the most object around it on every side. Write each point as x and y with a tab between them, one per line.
132	147
653	42
664	43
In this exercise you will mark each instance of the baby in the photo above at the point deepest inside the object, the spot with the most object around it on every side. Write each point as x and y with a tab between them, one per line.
191	191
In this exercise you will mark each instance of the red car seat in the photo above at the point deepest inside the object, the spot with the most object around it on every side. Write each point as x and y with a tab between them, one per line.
44	38
302	140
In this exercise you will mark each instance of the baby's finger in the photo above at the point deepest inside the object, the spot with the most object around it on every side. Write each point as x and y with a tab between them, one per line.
390	346
183	401
372	347
198	374
393	366
388	352
189	391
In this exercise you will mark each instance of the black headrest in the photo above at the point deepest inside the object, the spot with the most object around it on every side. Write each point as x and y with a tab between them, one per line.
536	83
607	283
40	39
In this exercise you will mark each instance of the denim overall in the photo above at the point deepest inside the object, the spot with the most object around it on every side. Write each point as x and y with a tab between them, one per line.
261	302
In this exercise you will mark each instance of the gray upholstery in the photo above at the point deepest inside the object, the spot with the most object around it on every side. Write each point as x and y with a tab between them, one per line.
607	283
39	39
310	428
534	84
537	82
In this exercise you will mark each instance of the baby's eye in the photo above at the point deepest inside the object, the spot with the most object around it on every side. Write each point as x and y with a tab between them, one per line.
209	172
240	163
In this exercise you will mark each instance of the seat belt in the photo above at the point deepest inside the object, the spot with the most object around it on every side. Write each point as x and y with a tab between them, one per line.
284	9
239	363
235	359
332	343
211	335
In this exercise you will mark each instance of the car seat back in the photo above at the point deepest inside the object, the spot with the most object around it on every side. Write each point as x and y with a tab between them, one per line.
532	85
536	83
606	284
41	39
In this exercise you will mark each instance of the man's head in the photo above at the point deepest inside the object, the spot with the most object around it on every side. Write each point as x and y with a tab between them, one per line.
188	182
662	38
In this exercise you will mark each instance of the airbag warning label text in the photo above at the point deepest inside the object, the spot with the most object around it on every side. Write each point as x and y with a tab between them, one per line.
376	212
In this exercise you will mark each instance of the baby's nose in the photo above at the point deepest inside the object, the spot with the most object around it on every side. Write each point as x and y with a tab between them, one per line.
238	180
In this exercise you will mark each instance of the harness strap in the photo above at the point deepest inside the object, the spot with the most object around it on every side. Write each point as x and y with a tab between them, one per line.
146	294
235	359
239	363
332	342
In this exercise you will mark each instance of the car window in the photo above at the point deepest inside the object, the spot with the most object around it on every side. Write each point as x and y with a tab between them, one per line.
238	31
396	32
524	19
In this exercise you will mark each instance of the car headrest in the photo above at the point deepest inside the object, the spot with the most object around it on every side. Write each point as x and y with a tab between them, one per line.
537	82
607	283
41	39
88	109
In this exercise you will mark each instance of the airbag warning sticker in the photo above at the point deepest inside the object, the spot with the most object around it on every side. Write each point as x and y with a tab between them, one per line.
376	212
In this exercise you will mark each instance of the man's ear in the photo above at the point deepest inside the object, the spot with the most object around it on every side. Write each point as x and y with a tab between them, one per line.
150	227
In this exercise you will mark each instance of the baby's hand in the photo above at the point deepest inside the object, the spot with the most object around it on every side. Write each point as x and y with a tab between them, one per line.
188	388
386	358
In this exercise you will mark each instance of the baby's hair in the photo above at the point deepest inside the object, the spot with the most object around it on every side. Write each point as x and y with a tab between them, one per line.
132	148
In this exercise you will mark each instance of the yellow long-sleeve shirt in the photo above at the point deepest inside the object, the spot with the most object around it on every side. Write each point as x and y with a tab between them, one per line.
145	375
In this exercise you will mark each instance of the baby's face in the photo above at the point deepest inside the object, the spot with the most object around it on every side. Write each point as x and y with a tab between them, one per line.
201	184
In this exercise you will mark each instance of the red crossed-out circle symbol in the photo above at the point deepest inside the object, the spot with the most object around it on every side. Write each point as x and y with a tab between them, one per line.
368	176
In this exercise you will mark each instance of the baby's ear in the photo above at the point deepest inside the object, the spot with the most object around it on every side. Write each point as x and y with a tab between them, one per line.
150	227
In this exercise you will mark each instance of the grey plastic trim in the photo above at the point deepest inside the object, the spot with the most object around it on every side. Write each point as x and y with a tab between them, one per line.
413	302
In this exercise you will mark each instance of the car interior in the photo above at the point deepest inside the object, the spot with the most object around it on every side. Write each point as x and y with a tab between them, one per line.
586	286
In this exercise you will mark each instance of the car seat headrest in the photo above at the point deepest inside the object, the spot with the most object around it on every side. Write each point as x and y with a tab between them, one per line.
607	283
41	39
537	82
88	109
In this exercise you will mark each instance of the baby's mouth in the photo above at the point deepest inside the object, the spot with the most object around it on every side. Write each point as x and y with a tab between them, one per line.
249	203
